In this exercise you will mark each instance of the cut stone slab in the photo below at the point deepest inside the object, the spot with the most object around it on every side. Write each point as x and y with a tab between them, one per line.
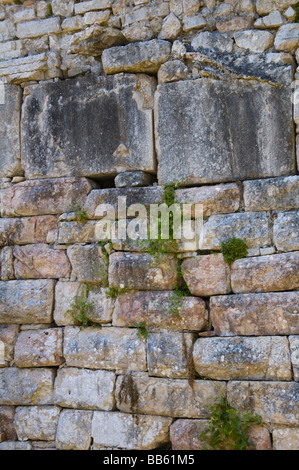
255	41
35	28
161	310
133	178
266	273
10	115
25	230
286	231
261	314
39	348
28	301
167	397
124	431
26	386
212	41
84	388
275	402
243	358
108	348
272	194
88	263
142	272
95	126
36	422
138	57
287	37
74	430
40	261
212	148
47	196
206	275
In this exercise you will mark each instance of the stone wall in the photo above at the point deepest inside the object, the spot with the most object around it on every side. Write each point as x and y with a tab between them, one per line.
101	100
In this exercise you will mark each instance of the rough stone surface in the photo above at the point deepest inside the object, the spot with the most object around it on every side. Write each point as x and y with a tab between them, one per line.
165	397
260	314
7	425
243	358
88	264
160	309
142	272
49	196
287	38
255	41
74	430
211	41
275	402
33	29
87	389
272	194
168	353
40	261
140	57
107	348
294	347
103	124
285	439
10	110
266	273
122	430
6	264
36	422
26	301
39	348
133	179
15	231
185	145
286	231
249	226
26	386
8	336
206	275
171	71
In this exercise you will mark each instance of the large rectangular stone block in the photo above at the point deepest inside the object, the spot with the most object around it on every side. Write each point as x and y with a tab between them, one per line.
223	130
10	115
107	348
272	194
89	126
286	231
36	422
259	314
39	348
25	230
26	386
26	301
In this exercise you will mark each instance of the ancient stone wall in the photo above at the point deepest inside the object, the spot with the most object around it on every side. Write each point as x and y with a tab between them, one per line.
123	344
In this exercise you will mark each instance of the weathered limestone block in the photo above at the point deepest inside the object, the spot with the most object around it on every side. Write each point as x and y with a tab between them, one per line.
39	348
10	445
235	23
35	28
166	397
255	41
36	422
274	20
7	425
40	261
287	37
294	347
48	196
139	57
96	17
185	144
266	273
88	264
168	353
26	301
62	8
65	293
83	388
262	358
8	336
6	264
206	275
272	194
92	41
172	71
286	231
219	199
133	179
91	5
123	431
161	310
275	402
25	230
212	41
77	232
275	313
10	115
99	126
266	6
26	386
74	430
99	197
142	272
250	226
285	438
184	435
107	348
33	67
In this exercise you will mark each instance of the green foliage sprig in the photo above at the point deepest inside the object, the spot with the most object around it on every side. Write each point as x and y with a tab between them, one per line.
233	249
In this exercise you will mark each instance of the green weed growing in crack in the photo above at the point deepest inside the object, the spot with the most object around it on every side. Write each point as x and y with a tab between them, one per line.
233	249
142	331
82	310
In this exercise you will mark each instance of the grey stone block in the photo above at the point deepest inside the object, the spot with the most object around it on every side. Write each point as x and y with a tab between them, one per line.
89	126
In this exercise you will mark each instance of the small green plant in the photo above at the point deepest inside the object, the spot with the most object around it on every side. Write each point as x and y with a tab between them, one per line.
233	249
177	299
296	8
114	292
50	10
17	2
227	428
81	309
80	213
142	331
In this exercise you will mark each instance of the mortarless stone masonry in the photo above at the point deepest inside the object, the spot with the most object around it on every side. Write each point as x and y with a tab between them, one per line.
122	344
